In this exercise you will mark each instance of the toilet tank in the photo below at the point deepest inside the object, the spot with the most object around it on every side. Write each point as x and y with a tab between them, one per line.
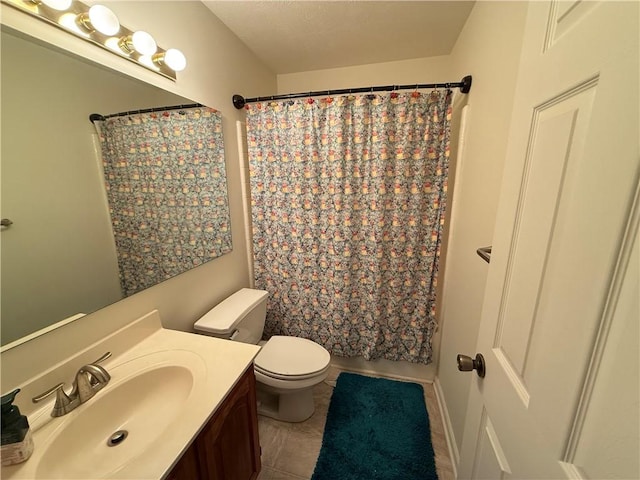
239	317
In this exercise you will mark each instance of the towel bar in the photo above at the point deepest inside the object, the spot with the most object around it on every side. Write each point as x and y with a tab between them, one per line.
485	253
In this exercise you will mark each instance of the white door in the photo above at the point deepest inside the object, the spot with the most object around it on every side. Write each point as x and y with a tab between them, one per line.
559	326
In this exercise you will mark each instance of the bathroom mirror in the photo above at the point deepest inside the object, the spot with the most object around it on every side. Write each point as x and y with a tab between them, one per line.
58	257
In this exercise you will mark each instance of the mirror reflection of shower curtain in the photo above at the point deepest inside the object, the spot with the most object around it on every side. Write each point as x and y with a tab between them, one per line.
166	187
348	200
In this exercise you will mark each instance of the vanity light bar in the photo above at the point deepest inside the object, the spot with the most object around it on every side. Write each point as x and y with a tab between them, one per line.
99	25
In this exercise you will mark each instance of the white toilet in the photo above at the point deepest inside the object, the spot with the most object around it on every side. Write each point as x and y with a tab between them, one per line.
286	368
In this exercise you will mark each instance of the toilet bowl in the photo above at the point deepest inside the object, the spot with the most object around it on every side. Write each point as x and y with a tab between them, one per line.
286	368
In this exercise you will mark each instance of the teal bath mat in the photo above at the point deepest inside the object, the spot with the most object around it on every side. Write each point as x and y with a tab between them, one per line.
376	429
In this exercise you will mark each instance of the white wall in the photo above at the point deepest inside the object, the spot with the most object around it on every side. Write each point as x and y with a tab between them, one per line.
219	65
488	48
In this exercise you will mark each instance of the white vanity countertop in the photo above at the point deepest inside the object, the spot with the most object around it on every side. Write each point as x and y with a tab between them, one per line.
163	390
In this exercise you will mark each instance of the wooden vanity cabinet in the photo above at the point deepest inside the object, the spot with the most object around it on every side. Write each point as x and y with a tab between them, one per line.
187	467
228	447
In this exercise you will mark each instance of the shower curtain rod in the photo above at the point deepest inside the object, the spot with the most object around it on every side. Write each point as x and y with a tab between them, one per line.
97	117
465	87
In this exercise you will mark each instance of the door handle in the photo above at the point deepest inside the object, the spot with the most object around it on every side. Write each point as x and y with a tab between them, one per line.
466	364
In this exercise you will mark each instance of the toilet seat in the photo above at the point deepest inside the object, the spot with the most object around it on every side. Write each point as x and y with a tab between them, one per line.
289	378
291	358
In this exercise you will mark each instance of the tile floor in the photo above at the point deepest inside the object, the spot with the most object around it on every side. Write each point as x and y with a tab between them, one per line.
290	450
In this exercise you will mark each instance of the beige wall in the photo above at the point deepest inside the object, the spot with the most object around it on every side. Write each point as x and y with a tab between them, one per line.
219	65
419	70
489	48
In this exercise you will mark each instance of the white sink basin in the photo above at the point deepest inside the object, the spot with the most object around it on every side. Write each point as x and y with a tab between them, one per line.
144	398
164	387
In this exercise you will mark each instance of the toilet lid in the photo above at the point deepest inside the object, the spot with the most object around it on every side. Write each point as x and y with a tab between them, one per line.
291	356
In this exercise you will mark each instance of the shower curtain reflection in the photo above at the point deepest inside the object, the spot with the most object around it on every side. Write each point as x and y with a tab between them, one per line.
166	186
348	201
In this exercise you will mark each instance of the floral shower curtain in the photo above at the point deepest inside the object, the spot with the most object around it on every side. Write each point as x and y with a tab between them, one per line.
167	193
348	198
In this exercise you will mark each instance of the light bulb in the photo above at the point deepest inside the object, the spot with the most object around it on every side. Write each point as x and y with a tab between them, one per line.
148	62
100	18
143	43
113	43
175	60
57	4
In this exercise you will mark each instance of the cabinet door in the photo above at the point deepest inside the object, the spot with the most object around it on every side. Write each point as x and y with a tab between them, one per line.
228	447
187	467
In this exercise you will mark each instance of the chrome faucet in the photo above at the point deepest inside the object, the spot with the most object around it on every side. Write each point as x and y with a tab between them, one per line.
89	380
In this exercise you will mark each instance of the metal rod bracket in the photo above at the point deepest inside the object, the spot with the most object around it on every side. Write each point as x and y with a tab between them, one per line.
238	101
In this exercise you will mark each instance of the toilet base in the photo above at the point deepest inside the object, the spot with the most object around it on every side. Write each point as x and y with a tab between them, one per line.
287	406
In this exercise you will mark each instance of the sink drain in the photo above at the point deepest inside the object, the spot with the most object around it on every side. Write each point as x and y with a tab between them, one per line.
117	438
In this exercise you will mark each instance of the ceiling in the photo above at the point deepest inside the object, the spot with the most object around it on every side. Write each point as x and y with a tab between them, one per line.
299	35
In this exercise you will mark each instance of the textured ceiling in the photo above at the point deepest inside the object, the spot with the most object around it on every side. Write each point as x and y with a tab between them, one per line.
296	36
